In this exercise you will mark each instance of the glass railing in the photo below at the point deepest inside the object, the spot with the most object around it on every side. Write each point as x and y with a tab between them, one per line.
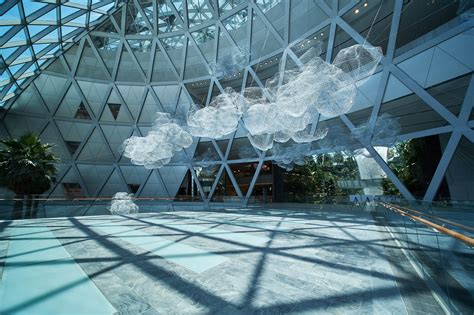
438	239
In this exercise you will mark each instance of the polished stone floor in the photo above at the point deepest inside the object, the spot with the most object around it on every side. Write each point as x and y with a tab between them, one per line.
226	262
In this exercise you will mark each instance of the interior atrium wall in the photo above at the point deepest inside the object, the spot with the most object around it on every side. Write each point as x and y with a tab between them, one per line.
151	56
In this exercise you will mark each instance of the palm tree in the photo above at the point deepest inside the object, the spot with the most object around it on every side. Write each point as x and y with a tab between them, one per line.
27	169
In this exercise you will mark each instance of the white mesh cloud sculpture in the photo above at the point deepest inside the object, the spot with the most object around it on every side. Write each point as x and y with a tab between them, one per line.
290	100
158	147
282	111
122	203
218	119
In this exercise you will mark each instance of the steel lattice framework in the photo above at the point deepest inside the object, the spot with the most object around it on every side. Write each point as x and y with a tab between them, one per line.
150	56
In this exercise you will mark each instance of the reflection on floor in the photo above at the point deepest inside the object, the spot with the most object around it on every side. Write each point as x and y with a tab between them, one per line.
206	262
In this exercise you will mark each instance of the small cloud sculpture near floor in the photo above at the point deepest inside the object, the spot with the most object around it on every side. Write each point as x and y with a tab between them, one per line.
158	147
122	203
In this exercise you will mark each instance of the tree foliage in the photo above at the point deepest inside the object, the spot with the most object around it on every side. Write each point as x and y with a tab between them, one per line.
26	165
317	180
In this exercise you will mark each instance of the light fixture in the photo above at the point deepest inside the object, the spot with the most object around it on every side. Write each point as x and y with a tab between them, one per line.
356	11
366	4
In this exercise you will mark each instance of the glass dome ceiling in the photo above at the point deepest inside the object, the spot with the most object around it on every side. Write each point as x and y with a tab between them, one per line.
33	32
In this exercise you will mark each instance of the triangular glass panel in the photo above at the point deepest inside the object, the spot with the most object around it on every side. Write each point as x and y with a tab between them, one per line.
66	30
113	185
82	112
304	16
409	113
141	49
342	40
51	37
233	80
80	21
12	16
198	91
17	125
372	21
73	133
49	17
32	6
127	68
225	190
194	67
69	187
243	174
167	20
263	189
236	26
198	12
67	11
222	144
61	170
414	161
168	96
184	104
115	136
136	23
205	153
96	149
451	93
107	114
188	190
205	39
251	82
135	176
154	187
29	102
206	175
148	9
174	47
150	107
70	55
37	48
457	182
228	5
34	30
94	93
275	13
172	177
51	88
70	104
318	40
94	176
107	48
242	149
163	70
17	40
263	41
267	68
7	52
49	135
114	109
89	66
216	90
133	97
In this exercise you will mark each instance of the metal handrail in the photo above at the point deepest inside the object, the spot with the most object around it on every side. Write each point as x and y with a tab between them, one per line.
459	225
461	237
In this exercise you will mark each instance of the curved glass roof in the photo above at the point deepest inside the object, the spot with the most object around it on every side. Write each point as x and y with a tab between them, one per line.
35	31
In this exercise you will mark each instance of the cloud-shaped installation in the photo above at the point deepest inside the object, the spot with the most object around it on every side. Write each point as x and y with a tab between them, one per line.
158	147
122	203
